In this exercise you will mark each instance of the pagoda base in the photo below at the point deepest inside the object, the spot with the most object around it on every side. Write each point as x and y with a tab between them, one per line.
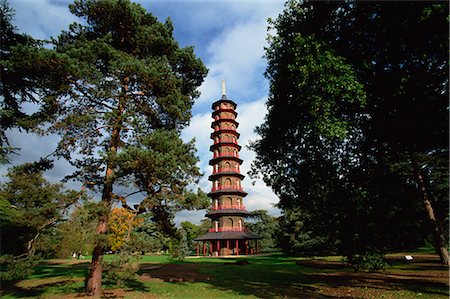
228	244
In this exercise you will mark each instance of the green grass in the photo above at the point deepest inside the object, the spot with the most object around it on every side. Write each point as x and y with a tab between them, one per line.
273	276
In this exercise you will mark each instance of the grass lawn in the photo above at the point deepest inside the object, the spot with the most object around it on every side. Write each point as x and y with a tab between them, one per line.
273	276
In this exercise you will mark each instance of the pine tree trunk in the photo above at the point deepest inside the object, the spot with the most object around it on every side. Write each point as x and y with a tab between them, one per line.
94	279
438	236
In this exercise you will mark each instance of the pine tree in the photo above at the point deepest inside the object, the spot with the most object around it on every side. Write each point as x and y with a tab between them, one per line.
130	92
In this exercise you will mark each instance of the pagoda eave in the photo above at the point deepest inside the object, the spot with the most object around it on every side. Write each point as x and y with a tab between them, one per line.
213	177
227	192
223	100
227	212
213	160
214	146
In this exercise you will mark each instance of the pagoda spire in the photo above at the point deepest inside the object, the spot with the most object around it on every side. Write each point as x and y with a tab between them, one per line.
224	94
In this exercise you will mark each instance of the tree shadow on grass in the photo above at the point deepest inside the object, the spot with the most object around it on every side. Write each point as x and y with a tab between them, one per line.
266	277
57	278
63	286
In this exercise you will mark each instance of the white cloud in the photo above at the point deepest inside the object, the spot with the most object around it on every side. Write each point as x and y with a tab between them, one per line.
42	19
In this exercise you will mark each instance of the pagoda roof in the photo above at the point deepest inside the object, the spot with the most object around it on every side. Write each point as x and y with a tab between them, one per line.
239	160
224	143
216	193
227	236
224	99
223	212
214	176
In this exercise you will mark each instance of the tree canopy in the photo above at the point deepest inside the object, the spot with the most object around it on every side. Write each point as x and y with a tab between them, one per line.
356	137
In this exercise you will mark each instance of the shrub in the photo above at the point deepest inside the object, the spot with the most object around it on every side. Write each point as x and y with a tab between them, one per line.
369	261
13	268
120	270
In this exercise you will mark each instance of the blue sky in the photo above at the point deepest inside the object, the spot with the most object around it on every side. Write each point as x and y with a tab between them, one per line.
229	36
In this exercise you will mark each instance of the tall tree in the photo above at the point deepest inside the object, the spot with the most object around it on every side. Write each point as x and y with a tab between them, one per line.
401	145
129	79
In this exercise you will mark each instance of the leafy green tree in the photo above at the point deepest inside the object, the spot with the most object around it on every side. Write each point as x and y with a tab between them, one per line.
31	207
180	249
391	151
77	233
193	231
129	87
148	237
266	227
307	142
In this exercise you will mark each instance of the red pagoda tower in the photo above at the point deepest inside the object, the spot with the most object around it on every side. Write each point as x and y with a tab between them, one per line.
228	234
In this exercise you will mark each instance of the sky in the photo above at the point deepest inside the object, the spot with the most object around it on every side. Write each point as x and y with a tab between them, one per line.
229	37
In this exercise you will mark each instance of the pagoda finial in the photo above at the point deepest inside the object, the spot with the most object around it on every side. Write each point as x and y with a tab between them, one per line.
223	87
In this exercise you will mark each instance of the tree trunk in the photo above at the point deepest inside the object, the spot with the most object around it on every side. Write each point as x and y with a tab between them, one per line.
438	236
94	279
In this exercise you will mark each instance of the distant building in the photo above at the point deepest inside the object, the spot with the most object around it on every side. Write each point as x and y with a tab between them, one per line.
228	234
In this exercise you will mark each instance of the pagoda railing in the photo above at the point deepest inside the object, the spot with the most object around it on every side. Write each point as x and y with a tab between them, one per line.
224	117
224	207
229	140
224	128
230	154
227	229
222	170
227	188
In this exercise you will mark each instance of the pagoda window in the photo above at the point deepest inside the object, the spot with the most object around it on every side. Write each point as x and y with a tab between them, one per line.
227	165
229	202
229	222
227	182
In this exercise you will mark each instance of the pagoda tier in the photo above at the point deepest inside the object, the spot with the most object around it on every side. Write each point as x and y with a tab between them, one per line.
228	234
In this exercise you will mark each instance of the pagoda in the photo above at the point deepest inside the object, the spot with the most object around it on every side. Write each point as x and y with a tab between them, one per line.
228	234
